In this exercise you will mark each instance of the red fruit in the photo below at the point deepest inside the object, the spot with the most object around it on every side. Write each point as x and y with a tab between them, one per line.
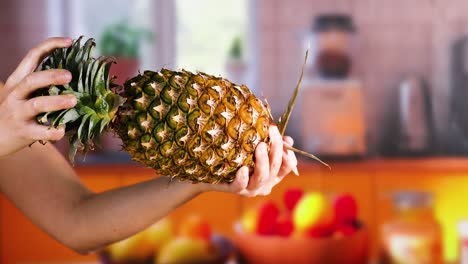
291	197
268	214
284	226
345	208
320	231
345	229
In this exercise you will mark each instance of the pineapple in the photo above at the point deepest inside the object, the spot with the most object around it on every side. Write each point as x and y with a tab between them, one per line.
193	126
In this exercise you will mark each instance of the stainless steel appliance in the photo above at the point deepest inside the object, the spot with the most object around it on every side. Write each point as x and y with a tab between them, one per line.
414	116
457	136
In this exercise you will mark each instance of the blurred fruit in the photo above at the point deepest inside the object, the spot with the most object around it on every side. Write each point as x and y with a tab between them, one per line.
159	234
132	249
268	214
313	211
345	207
186	250
195	226
291	197
223	245
142	246
320	231
284	225
249	220
345	230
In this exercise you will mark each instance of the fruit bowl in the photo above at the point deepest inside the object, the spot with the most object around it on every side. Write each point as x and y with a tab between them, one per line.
258	249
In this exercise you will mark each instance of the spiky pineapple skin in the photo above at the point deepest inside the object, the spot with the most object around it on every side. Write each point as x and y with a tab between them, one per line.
192	126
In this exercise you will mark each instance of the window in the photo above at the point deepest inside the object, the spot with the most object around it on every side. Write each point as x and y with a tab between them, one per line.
195	35
205	32
190	34
91	17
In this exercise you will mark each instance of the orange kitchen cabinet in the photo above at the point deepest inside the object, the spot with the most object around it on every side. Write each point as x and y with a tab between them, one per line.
369	181
449	188
22	242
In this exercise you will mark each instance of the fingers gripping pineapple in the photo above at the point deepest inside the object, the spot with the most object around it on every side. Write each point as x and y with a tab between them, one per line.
193	126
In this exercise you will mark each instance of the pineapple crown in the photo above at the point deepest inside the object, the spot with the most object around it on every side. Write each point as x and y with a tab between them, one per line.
97	100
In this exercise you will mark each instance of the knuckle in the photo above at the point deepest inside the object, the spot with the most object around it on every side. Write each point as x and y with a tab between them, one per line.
28	81
35	104
13	95
8	81
275	166
34	52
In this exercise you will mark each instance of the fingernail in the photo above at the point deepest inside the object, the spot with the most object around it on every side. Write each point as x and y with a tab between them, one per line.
67	76
67	41
246	171
294	169
263	150
72	99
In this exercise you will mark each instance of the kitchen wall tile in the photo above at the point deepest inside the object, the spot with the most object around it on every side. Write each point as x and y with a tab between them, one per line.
396	38
418	11
267	14
23	27
449	11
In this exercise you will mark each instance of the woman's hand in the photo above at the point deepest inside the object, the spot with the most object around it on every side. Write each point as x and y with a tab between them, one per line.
17	112
270	168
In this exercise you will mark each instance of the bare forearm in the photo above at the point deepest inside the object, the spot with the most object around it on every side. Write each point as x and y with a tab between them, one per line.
42	185
107	217
39	181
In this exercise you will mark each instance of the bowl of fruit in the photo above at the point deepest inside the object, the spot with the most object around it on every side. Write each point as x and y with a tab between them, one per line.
193	242
311	228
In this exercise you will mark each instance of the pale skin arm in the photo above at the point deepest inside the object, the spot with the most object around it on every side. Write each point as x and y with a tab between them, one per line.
40	182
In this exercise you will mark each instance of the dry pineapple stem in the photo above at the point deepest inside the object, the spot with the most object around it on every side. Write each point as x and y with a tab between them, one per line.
283	121
307	154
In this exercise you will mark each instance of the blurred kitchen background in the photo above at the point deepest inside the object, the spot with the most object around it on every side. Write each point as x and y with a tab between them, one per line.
382	99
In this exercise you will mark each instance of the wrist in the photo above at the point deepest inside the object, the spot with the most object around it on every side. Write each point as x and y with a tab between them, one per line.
192	188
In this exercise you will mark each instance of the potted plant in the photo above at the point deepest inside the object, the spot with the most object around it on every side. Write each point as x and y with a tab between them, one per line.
235	65
123	41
